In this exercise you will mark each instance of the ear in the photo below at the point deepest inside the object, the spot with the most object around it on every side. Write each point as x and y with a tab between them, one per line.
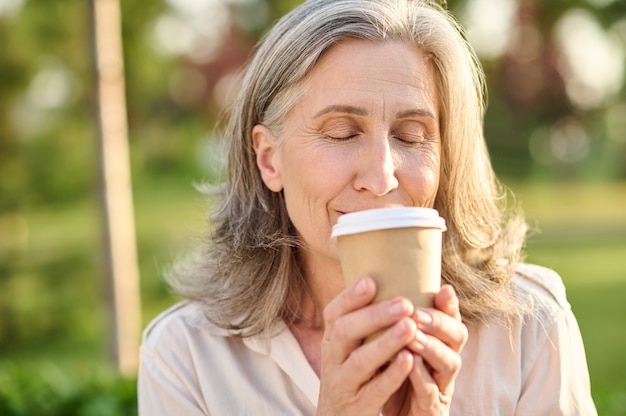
267	157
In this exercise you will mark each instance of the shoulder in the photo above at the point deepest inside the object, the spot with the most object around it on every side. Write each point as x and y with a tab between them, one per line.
180	322
182	354
541	287
542	292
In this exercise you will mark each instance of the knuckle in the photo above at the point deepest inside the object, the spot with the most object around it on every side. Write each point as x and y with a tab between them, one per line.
455	364
452	364
340	329
376	313
432	394
376	389
357	360
464	334
329	314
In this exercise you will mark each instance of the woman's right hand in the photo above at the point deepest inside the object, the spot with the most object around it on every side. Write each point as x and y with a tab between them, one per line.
356	378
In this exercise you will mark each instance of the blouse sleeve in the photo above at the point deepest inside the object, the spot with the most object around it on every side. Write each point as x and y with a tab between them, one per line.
556	378
167	381
162	392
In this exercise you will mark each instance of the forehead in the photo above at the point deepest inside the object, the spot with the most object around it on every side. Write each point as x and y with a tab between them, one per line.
354	69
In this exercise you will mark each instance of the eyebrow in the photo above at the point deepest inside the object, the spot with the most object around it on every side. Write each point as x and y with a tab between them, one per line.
359	111
339	108
415	113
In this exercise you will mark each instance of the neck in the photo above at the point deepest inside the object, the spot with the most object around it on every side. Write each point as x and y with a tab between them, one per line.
323	281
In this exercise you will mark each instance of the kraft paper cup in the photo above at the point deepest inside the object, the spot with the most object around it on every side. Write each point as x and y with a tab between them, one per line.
400	248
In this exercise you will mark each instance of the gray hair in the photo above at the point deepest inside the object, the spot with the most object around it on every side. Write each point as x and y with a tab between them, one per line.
249	271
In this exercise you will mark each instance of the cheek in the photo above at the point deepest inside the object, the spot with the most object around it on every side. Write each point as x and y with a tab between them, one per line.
312	178
308	183
313	171
422	178
431	185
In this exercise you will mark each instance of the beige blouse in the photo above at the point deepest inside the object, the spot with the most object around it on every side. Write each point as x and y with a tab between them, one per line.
189	367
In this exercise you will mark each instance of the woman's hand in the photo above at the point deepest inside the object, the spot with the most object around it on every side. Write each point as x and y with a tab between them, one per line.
441	336
409	369
358	379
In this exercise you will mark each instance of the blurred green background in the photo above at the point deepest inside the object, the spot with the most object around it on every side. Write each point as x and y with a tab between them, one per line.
556	127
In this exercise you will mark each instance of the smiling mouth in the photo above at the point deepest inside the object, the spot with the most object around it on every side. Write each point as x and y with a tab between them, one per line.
365	209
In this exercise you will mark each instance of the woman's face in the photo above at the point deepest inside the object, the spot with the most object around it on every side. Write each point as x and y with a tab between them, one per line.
365	134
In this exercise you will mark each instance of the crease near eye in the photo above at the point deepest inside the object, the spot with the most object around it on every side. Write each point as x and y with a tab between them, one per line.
340	132
411	139
410	134
340	138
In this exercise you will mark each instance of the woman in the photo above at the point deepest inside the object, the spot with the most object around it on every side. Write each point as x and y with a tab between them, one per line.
350	105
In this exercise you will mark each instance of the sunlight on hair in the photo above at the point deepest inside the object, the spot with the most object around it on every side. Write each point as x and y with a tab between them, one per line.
593	59
489	24
212	155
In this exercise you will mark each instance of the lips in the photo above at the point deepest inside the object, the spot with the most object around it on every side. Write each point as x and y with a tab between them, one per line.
349	211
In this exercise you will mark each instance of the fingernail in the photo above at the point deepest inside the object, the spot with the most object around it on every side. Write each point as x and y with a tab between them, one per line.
423	318
421	338
396	307
400	328
361	287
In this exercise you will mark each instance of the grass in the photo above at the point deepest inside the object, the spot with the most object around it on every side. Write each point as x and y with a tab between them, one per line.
582	235
56	273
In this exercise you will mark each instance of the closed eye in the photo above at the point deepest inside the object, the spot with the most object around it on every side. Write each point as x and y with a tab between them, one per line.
410	139
340	129
340	138
414	133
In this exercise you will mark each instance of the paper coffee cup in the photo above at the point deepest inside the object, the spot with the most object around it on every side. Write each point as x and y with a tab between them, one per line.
400	248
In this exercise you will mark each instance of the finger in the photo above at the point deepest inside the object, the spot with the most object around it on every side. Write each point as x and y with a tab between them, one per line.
371	319
364	379
388	381
445	363
357	295
449	330
426	391
447	301
369	358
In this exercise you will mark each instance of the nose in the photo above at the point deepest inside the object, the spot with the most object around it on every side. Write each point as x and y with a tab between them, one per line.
377	168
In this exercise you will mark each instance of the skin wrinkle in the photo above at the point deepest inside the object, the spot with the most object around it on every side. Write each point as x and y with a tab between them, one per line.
343	147
282	267
337	108
468	195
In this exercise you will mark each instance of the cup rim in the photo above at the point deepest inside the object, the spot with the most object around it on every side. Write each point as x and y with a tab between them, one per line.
386	218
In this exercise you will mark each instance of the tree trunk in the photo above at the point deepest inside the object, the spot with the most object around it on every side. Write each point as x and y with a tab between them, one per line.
116	194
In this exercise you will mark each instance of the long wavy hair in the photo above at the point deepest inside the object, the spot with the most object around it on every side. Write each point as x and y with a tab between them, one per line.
248	270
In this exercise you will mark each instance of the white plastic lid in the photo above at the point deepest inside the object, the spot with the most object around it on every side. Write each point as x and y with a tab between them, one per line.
385	218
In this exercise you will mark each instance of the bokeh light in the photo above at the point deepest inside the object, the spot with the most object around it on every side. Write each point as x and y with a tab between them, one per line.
10	8
593	59
488	24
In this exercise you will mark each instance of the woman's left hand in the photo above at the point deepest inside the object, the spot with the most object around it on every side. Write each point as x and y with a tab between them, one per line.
437	362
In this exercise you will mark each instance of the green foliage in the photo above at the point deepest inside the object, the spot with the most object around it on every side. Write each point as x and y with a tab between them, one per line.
48	152
52	285
51	392
581	233
49	274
